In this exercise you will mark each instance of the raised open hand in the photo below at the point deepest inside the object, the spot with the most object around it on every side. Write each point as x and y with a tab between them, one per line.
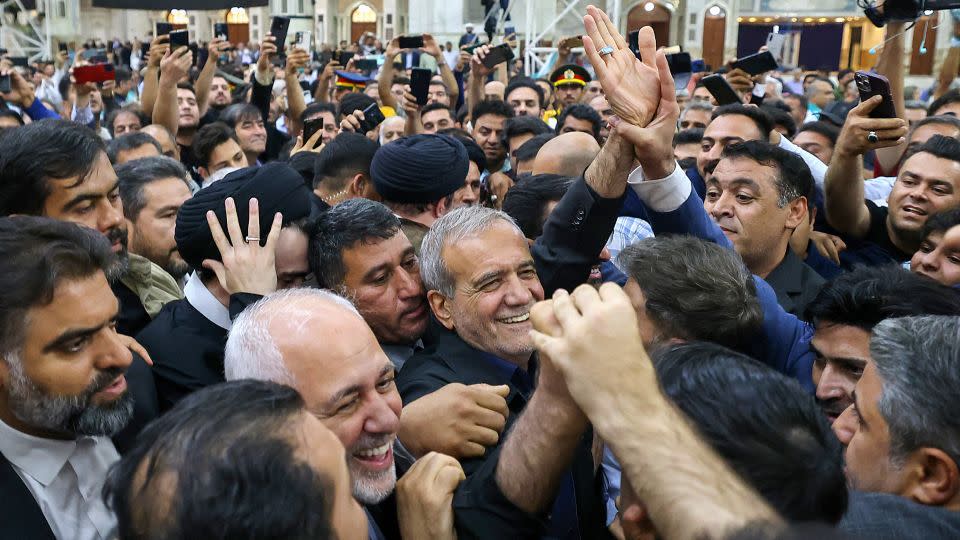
630	85
245	265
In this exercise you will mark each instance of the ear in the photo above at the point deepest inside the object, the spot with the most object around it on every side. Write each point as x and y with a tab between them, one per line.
797	212
356	185
204	173
440	208
440	308
934	477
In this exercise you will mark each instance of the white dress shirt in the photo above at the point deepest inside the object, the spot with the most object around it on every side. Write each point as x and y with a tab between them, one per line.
206	303
66	479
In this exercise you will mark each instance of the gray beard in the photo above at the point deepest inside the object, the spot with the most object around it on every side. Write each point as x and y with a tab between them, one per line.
120	266
68	414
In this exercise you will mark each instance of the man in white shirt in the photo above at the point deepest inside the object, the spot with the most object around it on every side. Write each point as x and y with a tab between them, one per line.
63	392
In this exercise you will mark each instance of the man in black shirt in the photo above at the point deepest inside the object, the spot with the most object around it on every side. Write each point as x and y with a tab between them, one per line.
928	182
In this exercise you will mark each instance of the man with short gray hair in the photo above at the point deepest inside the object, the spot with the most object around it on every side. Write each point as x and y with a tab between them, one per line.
901	432
481	282
296	337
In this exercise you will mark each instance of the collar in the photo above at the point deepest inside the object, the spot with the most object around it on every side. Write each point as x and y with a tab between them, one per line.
203	301
399	354
788	274
42	459
514	374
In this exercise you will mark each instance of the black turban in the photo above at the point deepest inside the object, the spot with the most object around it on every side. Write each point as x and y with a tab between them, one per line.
419	169
277	188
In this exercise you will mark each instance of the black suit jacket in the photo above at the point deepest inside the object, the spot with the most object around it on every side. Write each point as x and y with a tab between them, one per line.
20	515
187	349
480	508
795	284
573	236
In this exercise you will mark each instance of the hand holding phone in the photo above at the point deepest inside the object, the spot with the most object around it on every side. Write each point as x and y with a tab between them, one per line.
310	127
410	42
758	63
179	38
420	84
164	28
372	117
720	89
220	31
96	73
498	55
874	84
278	29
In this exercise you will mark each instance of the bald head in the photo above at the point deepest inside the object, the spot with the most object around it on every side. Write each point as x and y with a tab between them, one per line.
494	90
163	136
568	154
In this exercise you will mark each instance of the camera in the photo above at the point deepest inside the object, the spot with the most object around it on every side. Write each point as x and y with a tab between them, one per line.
904	10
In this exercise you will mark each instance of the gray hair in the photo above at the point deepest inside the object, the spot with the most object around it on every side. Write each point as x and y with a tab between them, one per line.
697	106
451	229
918	359
695	290
251	352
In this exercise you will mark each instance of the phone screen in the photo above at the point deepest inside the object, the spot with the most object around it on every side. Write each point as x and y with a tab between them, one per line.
411	42
420	84
310	127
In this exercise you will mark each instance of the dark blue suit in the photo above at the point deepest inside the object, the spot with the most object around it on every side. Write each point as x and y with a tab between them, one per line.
786	340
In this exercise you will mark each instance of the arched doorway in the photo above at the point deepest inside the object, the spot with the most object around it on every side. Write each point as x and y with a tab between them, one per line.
363	19
714	35
654	15
238	25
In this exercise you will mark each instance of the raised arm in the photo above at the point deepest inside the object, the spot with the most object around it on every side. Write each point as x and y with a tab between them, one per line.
843	186
890	65
174	66
322	93
296	60
205	79
542	443
385	79
148	97
431	47
948	69
687	489
478	77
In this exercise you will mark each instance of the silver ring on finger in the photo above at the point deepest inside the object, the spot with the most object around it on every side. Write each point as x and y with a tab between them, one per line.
872	137
253	239
605	50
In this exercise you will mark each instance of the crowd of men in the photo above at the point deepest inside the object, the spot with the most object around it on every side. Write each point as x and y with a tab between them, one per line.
586	306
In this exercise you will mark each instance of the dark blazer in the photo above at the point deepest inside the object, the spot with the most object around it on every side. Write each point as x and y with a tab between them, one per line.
882	516
480	509
573	235
795	283
187	349
20	515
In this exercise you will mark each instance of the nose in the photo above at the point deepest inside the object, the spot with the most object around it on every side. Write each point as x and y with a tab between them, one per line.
845	426
408	284
382	418
929	261
722	207
115	353
517	293
831	384
111	216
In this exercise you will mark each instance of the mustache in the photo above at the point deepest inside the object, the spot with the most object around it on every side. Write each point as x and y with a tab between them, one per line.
710	166
366	441
104	379
831	406
117	233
